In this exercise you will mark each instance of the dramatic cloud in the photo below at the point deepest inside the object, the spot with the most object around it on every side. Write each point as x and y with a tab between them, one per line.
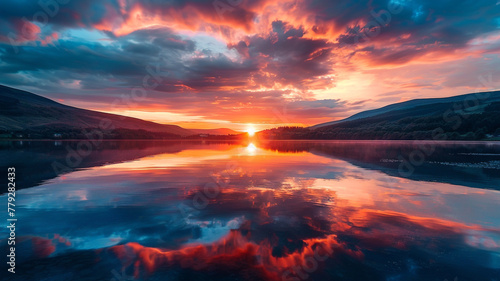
240	60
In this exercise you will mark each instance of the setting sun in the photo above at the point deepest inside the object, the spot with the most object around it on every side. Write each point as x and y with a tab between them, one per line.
251	131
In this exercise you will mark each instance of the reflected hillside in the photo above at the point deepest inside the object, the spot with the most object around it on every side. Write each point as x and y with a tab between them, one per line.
461	163
35	160
467	164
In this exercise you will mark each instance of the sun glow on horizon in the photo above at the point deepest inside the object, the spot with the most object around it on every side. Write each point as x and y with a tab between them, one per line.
251	130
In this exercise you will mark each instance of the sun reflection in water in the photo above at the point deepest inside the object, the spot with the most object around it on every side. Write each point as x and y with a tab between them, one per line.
251	149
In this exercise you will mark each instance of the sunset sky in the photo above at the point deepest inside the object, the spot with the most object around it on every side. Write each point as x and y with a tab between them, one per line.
230	63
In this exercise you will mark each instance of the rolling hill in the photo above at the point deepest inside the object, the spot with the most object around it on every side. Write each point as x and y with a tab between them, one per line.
411	104
23	112
465	117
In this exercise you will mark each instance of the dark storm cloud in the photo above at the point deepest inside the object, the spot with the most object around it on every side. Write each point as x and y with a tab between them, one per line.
449	24
422	26
162	37
108	15
452	22
240	13
284	56
56	14
290	58
126	60
217	71
408	30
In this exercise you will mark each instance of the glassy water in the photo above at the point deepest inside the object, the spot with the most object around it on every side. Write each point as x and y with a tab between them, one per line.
255	211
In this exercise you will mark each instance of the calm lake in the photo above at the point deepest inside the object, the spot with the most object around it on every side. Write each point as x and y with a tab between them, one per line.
331	210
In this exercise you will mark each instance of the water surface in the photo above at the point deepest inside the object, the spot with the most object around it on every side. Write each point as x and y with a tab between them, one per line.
257	211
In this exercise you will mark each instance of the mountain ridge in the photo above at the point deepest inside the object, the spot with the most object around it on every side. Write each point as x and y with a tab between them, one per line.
403	105
26	113
473	116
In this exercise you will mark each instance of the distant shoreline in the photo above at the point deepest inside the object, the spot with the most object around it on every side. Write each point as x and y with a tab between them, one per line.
266	140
